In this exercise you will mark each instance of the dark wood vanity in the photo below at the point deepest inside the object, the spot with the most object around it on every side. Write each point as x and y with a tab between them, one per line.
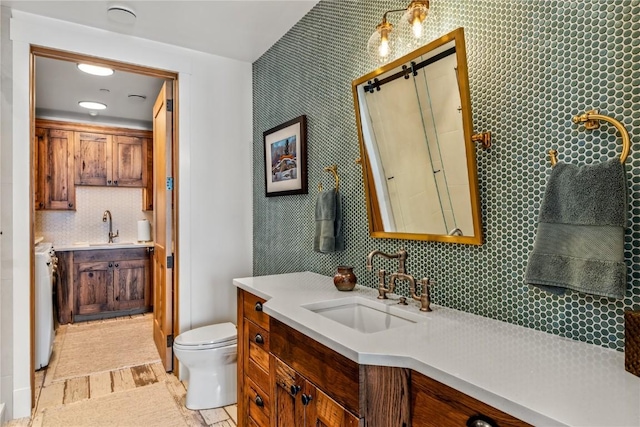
288	379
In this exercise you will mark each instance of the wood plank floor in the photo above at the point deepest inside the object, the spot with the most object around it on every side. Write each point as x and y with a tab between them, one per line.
50	394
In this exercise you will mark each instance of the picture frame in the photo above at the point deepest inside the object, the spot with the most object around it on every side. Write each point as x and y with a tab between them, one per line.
285	158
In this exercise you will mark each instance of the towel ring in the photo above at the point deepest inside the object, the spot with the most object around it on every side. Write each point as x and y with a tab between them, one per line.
334	170
590	120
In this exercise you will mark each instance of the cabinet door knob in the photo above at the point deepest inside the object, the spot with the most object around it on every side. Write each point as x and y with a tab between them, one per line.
259	401
109	182
480	421
258	306
110	265
70	205
41	204
115	182
116	265
306	398
295	389
117	298
259	339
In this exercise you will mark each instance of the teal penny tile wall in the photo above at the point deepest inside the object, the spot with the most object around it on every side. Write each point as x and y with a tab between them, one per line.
532	66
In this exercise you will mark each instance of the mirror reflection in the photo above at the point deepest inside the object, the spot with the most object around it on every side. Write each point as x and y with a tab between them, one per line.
418	159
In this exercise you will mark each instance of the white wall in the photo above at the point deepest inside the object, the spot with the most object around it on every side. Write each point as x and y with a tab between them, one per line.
215	204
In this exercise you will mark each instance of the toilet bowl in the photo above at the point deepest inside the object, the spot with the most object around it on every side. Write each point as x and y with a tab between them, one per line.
210	354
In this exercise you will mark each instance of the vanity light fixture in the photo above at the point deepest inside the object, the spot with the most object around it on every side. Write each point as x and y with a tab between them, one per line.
95	70
382	43
91	105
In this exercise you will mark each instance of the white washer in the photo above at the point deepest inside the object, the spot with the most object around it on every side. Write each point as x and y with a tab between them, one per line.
45	260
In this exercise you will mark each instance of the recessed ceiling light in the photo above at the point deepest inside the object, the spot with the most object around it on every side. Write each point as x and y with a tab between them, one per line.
91	105
121	15
95	70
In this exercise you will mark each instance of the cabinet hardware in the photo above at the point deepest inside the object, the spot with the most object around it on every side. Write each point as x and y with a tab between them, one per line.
110	265
116	265
259	401
118	298
306	398
259	339
295	389
109	182
480	421
115	182
258	306
70	205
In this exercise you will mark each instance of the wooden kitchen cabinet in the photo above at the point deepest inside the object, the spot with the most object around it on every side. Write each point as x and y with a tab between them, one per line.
103	283
54	164
109	160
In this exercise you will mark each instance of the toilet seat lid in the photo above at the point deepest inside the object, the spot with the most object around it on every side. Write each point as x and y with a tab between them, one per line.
221	333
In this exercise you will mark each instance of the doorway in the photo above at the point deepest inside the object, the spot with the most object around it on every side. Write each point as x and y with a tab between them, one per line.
171	154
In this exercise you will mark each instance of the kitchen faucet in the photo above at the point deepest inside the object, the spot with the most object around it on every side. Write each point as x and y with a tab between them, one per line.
107	215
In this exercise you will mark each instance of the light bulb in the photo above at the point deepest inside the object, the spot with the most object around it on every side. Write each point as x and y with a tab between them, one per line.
383	50
416	27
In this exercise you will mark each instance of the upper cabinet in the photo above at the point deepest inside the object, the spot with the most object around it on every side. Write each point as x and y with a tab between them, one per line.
53	162
109	160
68	154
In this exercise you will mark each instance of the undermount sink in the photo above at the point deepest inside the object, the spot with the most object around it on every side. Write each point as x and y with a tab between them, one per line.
112	244
364	315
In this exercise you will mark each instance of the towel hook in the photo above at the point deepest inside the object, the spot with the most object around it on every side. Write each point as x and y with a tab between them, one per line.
334	170
590	120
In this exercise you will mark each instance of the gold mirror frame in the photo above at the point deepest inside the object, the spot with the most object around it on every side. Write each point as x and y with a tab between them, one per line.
373	210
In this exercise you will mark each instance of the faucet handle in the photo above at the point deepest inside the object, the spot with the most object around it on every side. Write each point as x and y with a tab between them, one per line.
425	297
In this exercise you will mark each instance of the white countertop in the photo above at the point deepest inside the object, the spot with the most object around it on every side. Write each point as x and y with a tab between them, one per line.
86	246
543	379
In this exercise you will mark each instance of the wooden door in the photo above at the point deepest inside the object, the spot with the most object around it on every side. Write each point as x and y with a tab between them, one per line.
39	160
322	411
131	284
128	161
94	285
162	221
59	191
289	386
92	158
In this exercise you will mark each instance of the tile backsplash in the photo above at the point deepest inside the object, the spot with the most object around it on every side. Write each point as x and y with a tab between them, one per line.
85	224
533	64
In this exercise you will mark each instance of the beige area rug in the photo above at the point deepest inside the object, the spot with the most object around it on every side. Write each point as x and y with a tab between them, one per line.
107	346
152	405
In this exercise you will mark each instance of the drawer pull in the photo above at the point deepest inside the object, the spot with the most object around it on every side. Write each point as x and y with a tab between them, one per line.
259	401
306	398
259	339
295	389
480	421
258	306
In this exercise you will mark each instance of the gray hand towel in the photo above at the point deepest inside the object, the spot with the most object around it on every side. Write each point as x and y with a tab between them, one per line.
328	237
579	244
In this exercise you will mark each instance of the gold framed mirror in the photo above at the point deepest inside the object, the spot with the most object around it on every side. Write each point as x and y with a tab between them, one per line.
418	159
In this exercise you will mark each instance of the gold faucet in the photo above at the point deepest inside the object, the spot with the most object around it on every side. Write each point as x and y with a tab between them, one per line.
424	298
401	256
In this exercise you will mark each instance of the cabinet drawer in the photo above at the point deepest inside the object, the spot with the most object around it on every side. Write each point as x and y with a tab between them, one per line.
258	339
253	310
257	402
435	404
257	362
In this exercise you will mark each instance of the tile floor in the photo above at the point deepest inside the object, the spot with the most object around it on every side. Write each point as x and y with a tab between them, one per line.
96	385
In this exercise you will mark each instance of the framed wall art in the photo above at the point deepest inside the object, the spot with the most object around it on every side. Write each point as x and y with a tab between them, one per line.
285	154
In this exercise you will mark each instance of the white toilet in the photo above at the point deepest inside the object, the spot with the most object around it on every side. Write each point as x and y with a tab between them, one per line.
210	354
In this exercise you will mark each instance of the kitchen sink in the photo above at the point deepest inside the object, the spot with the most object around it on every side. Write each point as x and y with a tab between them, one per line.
365	315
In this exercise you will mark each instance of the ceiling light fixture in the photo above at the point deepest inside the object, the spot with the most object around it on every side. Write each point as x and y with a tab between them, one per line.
137	98
121	15
91	105
382	43
95	70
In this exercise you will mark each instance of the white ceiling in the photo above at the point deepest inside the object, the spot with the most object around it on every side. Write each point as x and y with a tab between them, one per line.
236	29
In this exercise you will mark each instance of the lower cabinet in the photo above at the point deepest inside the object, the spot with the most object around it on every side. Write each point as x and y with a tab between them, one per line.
287	379
103	283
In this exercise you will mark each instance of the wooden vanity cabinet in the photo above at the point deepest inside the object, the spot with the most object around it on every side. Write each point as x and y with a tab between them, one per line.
308	384
434	404
103	283
54	163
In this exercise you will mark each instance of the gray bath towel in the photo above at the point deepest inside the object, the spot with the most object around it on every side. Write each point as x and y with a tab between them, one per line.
579	244
328	236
